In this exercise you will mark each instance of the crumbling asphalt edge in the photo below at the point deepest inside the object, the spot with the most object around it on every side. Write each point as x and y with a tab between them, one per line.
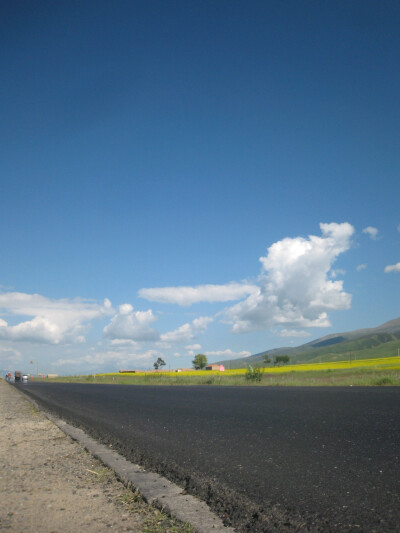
154	488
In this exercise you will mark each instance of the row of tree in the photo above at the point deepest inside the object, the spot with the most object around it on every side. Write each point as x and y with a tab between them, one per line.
200	361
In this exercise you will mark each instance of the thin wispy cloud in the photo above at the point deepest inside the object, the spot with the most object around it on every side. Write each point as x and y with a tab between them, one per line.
120	359
337	272
193	347
392	268
227	354
295	333
372	232
186	296
9	355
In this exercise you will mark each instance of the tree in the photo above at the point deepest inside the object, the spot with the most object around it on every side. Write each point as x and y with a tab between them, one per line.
159	363
267	360
281	359
199	361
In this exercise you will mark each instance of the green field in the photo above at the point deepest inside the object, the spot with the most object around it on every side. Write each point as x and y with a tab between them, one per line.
341	348
367	372
371	347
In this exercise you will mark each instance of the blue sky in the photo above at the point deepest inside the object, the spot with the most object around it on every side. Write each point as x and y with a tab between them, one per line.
183	177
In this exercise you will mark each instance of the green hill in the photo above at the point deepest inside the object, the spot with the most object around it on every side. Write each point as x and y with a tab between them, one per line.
382	341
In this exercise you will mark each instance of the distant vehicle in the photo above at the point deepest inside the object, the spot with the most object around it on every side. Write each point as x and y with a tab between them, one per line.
24	378
18	375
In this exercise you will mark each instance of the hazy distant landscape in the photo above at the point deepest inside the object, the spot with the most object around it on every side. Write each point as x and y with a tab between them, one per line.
364	357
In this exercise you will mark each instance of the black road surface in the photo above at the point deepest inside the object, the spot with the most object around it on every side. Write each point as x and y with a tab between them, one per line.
265	459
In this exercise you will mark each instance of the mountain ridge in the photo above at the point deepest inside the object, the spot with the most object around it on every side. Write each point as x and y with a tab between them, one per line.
365	342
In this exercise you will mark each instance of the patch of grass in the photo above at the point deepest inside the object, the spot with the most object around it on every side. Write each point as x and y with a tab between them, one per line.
155	520
33	409
386	380
159	522
152	519
130	498
100	474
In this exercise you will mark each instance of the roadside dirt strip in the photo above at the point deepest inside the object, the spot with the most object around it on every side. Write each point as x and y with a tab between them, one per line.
50	483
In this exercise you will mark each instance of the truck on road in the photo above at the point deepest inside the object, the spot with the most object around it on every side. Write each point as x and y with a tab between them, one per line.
18	376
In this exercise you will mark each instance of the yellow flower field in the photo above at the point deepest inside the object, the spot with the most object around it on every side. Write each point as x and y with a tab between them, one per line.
387	363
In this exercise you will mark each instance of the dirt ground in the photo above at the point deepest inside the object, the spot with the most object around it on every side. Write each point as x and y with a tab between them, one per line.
49	483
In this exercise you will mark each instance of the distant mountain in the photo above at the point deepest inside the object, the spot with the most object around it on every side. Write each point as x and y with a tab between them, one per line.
382	341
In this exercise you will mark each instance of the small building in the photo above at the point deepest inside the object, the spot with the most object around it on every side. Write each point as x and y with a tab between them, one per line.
215	366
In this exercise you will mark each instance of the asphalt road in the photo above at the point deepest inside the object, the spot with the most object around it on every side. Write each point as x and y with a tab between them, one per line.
266	459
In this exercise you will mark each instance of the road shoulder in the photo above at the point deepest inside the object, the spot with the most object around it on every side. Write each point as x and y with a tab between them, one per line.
50	483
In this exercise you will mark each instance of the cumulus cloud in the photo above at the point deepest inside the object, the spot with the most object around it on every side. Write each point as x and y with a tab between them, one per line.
227	354
201	293
53	322
392	268
294	333
188	331
193	347
361	267
132	325
371	231
111	358
296	289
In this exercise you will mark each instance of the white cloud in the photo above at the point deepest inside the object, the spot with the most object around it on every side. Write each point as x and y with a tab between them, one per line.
193	347
188	331
128	324
295	286
201	293
123	342
294	333
392	268
9	356
361	267
337	272
227	354
120	360
371	231
53	322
